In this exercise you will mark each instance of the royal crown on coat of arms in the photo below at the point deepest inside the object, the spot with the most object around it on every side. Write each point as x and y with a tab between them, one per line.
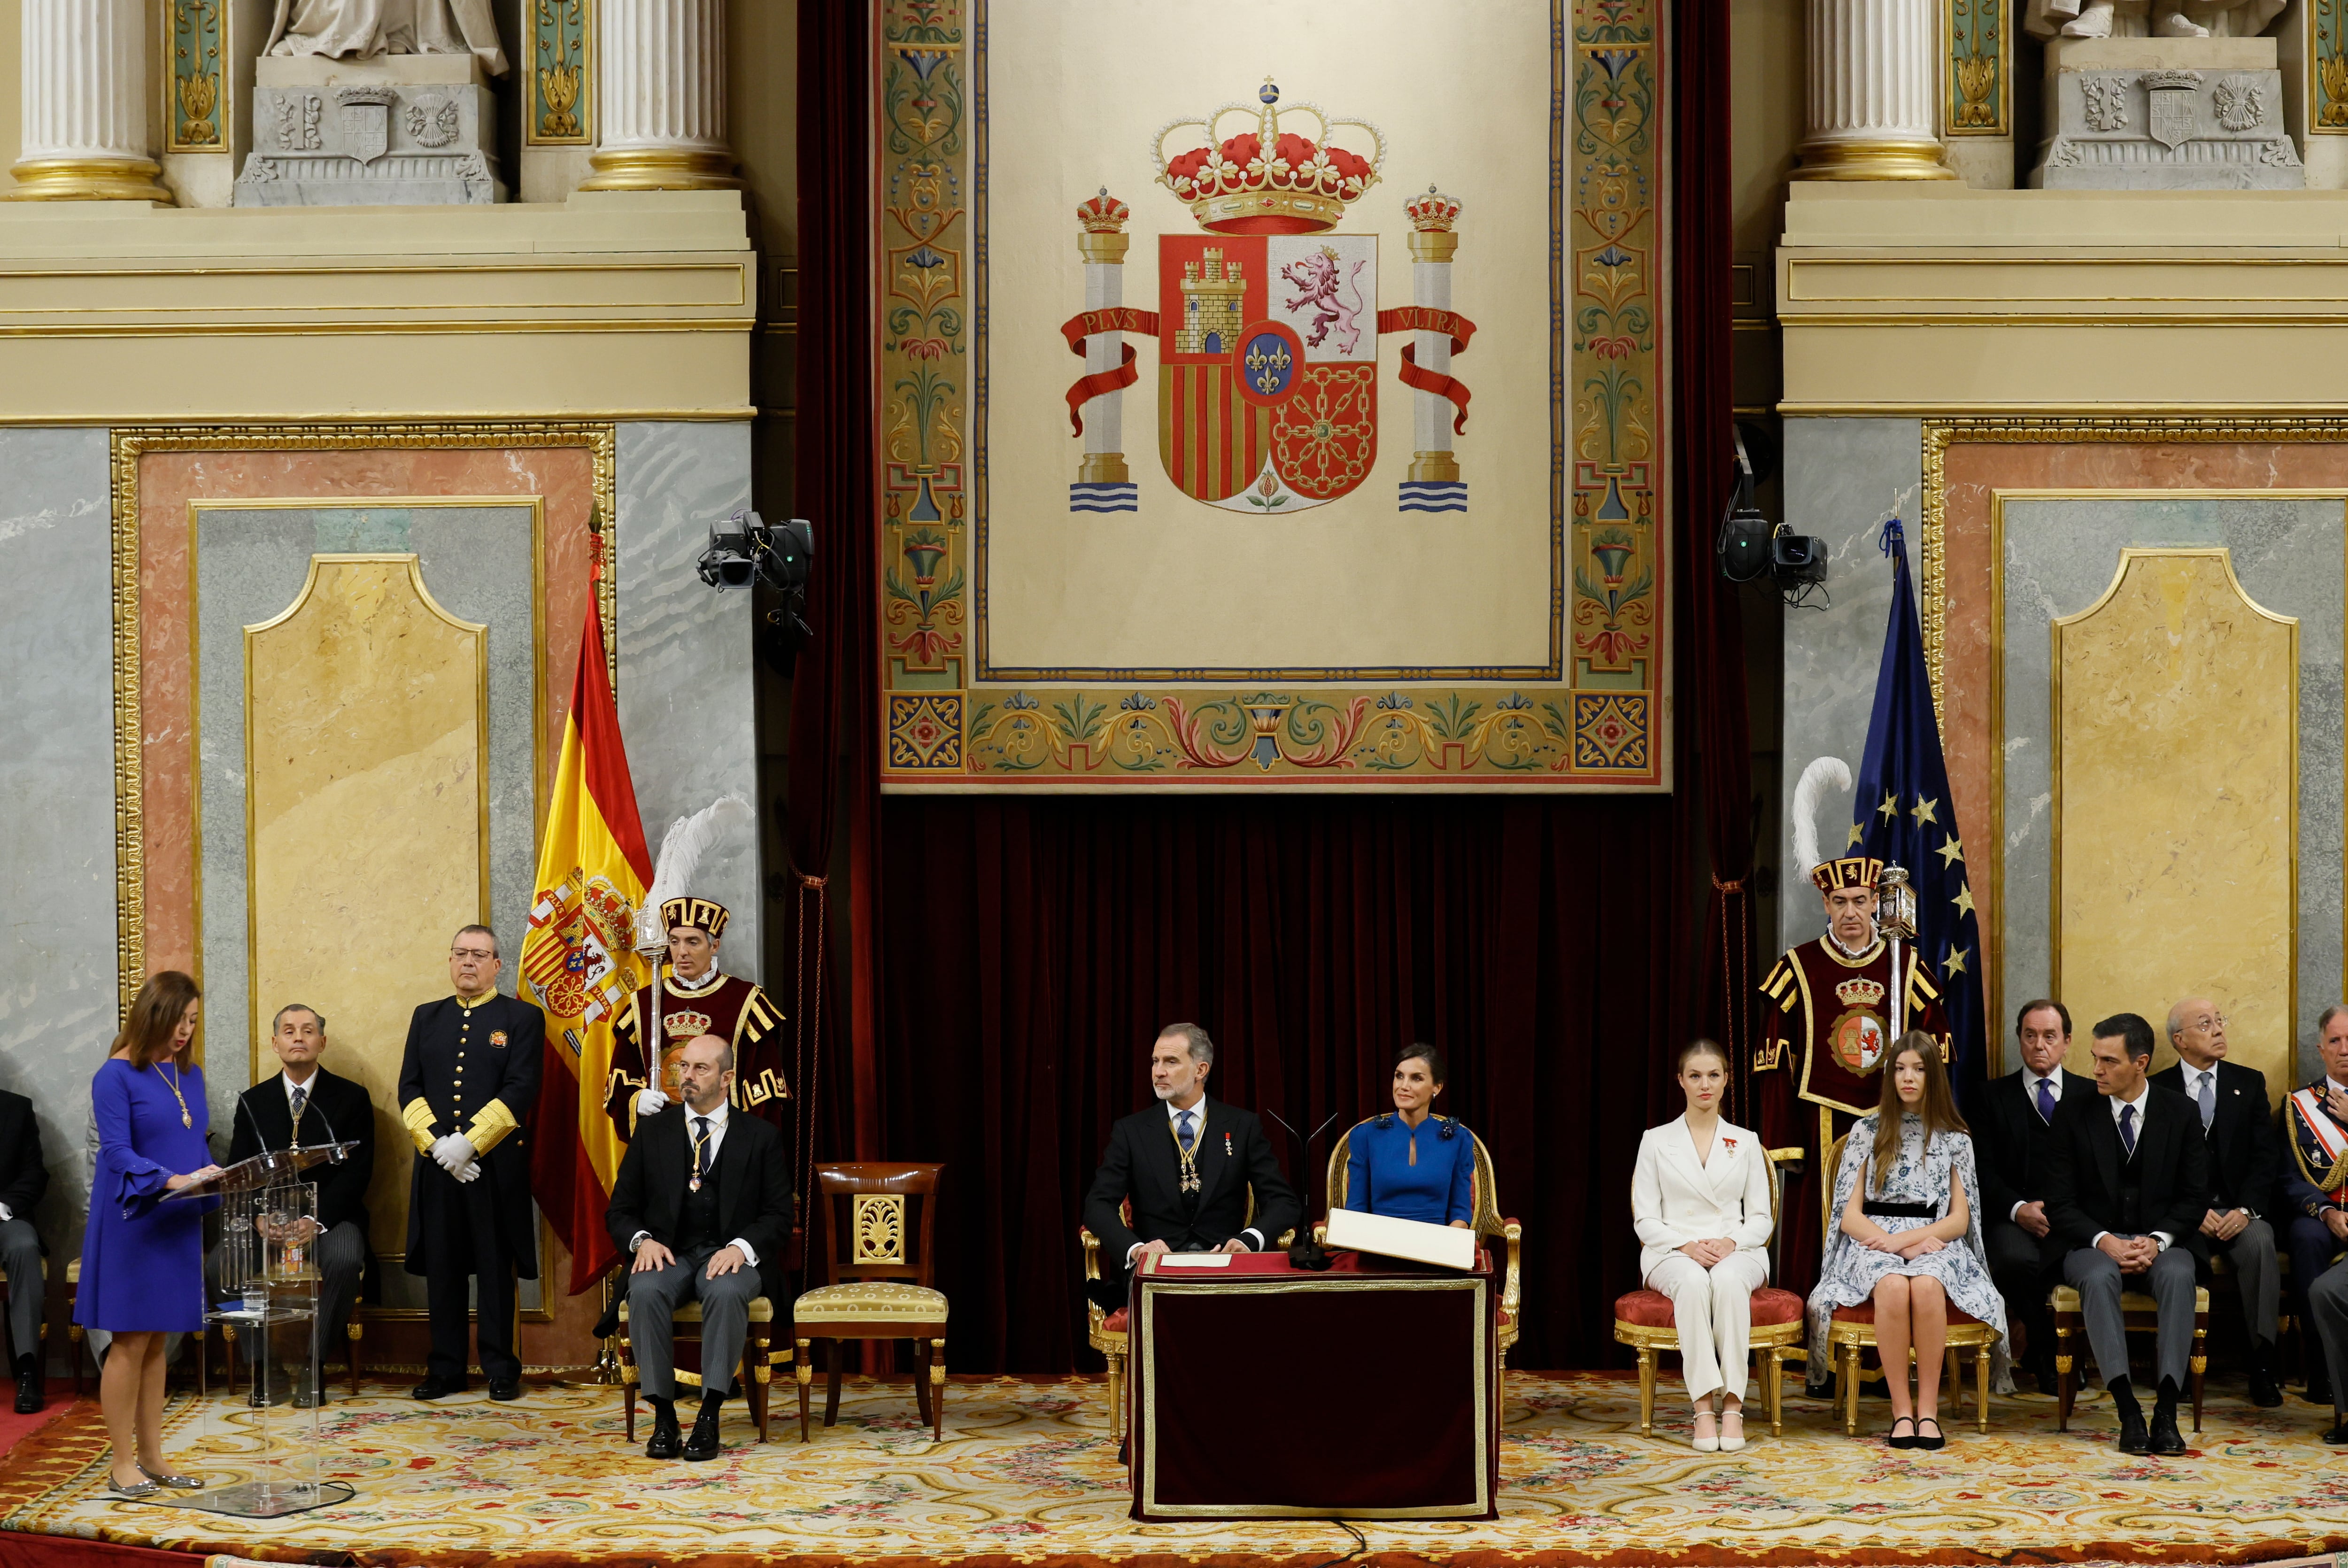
688	1026
1858	992
1267	324
1268	180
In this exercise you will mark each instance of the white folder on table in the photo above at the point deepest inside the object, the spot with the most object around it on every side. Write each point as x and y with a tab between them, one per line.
1415	1240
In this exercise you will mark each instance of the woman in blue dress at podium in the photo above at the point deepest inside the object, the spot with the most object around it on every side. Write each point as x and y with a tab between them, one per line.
142	1260
1410	1163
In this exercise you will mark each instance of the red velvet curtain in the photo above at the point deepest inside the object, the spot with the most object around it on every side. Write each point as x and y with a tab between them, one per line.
1715	750
1556	947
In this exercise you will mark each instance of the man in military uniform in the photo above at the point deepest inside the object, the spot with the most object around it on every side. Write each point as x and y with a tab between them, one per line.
695	999
1829	1018
466	1083
2315	1180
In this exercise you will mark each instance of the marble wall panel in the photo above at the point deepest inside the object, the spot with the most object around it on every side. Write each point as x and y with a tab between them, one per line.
169	481
1842	478
1979	469
57	974
366	708
251	563
2057	555
685	652
2174	820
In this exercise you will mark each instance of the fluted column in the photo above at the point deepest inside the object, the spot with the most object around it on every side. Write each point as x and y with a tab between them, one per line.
85	104
1874	95
660	77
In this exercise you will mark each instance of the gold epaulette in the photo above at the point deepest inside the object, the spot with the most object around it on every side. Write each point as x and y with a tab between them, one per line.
418	1116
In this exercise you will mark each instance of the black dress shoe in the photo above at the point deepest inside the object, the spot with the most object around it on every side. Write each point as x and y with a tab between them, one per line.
665	1443
2338	1435
702	1444
2319	1390
439	1387
1892	1440
2164	1438
505	1387
30	1395
2134	1437
1936	1439
2265	1393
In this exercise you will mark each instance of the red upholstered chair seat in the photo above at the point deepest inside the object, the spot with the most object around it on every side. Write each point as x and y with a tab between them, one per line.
1865	1312
1652	1308
1115	1322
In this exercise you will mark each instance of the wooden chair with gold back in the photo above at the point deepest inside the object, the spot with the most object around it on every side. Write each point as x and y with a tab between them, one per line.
1487	1223
878	1232
1645	1321
1851	1332
1106	1331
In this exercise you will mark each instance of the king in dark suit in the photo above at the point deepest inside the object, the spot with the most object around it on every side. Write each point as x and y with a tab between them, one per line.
467	1082
24	1178
2231	1102
2127	1187
304	1105
2012	1137
703	1200
1189	1166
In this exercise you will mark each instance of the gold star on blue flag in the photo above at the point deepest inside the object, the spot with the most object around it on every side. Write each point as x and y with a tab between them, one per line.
1916	826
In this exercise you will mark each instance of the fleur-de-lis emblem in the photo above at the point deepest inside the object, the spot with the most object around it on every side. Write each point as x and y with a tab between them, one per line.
1268	370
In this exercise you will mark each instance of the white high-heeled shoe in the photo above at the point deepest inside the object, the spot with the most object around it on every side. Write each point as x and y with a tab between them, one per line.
1708	1445
1729	1445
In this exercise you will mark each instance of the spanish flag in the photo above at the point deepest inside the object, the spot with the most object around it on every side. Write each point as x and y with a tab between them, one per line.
580	963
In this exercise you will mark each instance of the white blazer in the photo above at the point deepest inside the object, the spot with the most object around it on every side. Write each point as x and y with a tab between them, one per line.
1676	1199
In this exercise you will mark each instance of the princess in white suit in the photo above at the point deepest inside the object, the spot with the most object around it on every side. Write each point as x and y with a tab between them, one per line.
1700	1201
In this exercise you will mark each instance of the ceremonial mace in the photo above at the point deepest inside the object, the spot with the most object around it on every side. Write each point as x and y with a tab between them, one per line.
1895	917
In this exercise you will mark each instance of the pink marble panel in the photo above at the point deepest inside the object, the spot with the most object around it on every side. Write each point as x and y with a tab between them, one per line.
169	481
1975	471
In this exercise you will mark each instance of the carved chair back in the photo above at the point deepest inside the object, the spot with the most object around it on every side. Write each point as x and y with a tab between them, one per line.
880	1222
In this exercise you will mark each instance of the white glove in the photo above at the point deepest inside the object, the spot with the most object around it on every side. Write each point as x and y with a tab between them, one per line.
651	1102
453	1151
442	1151
467	1171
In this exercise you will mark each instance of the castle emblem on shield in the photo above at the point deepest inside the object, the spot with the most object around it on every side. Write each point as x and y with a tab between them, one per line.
1267	326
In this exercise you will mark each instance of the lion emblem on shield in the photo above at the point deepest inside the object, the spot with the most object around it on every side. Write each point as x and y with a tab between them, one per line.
1857	1036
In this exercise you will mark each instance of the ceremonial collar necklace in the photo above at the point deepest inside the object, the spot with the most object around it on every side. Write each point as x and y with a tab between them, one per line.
187	1117
1190	1156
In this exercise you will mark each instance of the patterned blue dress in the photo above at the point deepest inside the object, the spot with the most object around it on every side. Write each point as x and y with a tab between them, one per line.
142	1260
1848	1273
1382	1177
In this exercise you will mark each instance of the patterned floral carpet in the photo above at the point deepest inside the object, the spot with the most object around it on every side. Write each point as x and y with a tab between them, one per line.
1027	1474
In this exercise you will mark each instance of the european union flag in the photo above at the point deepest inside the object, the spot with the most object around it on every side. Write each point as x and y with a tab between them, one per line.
1906	817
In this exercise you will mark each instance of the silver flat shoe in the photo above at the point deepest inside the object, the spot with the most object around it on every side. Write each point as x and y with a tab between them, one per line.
144	1488
176	1482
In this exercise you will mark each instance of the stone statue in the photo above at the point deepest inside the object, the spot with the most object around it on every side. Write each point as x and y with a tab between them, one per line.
364	29
2142	18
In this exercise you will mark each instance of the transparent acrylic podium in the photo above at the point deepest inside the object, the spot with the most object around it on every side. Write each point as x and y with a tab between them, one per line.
258	1447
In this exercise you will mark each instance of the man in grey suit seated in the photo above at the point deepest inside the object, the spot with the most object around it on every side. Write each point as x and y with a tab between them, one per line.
703	1200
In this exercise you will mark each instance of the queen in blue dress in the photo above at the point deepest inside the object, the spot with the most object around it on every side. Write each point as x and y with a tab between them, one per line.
142	1260
1410	1163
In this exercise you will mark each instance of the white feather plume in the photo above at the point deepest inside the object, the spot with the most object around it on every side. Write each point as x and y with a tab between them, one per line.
688	838
1823	774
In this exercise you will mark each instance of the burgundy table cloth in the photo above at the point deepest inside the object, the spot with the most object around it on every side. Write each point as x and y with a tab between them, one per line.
1261	1391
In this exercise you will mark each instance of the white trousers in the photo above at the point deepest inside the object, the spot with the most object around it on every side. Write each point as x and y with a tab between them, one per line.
1712	1309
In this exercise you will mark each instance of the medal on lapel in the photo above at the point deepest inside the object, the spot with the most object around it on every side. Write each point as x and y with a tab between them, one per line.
1227	1145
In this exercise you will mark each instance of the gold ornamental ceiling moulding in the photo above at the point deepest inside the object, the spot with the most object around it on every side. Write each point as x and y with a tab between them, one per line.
131	442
